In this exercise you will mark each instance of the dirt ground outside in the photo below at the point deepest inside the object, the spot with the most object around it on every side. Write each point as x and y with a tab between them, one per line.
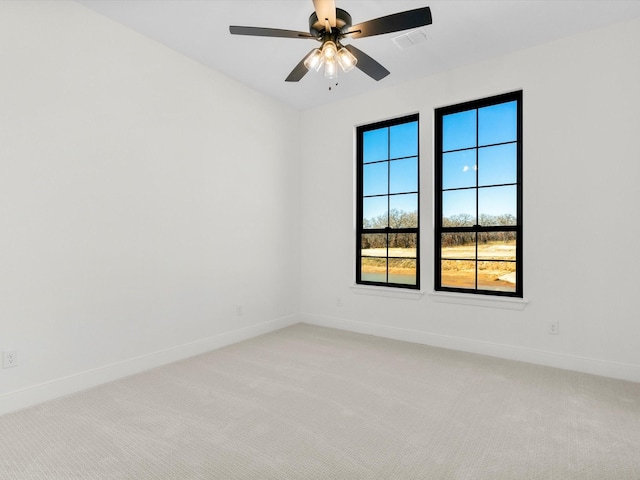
458	272
458	265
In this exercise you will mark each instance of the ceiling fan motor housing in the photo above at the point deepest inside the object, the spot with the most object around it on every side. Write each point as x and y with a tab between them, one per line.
317	27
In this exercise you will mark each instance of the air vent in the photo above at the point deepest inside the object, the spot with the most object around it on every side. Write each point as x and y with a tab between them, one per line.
410	39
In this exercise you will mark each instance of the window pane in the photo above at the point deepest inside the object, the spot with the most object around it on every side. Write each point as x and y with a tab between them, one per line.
403	140
497	123
459	208
404	245
403	211
498	204
373	263
373	245
497	276
459	130
375	214
376	179
497	246
497	165
402	270
458	273
459	169
373	269
403	175
459	245
375	145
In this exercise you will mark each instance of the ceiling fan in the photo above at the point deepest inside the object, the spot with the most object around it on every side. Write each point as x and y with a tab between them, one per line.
330	25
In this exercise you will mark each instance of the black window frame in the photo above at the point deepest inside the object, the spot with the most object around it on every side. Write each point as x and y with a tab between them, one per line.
477	229
360	230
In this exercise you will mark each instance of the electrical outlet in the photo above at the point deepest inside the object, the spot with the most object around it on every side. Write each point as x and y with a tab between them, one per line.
10	359
339	301
553	328
238	310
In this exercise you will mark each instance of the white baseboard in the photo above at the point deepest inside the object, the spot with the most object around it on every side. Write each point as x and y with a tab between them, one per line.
59	387
35	394
593	366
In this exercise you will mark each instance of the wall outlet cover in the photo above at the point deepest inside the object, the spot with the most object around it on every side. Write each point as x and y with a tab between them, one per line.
9	358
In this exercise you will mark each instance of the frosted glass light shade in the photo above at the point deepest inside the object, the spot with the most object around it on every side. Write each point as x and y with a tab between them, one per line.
329	50
346	59
314	60
330	68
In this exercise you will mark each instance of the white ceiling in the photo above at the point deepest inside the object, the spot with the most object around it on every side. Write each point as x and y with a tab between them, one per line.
462	32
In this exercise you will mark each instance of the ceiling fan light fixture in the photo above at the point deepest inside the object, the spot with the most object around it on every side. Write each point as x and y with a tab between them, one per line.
329	25
346	59
314	60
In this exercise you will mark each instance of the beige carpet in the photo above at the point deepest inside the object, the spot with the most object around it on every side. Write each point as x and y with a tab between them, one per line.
314	403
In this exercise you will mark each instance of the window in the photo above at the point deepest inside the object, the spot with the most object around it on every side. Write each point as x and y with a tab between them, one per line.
478	196
387	233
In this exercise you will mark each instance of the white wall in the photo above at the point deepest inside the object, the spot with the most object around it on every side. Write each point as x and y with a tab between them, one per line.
142	197
581	174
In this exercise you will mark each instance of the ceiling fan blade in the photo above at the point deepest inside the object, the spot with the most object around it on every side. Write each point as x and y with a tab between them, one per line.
367	64
299	71
325	9
268	32
392	23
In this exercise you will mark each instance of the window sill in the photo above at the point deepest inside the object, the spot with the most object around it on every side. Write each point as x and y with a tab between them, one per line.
508	303
387	292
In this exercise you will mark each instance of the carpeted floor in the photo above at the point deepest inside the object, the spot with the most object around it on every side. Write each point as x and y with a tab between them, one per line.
314	403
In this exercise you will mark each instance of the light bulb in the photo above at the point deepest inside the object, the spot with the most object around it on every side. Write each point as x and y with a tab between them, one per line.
314	60
346	59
